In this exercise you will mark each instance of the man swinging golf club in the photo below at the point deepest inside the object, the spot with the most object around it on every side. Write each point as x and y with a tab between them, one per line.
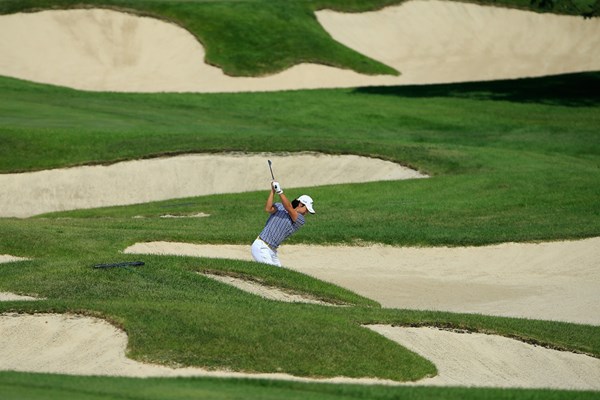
284	220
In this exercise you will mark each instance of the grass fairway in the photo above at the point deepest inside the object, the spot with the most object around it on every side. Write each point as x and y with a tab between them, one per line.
511	161
50	387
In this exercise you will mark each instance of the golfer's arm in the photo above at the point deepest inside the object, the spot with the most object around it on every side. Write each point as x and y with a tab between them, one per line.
269	206
288	207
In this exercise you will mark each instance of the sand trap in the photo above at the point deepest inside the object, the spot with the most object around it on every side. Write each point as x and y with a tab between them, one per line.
76	345
8	296
444	41
267	292
428	41
196	215
475	359
551	281
6	258
105	50
32	193
67	344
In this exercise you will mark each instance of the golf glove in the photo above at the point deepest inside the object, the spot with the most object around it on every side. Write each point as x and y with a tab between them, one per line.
277	187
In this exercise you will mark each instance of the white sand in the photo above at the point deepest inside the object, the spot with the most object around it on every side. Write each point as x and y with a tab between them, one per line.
267	292
68	344
551	281
444	41
6	258
8	296
143	181
428	41
106	50
76	345
475	359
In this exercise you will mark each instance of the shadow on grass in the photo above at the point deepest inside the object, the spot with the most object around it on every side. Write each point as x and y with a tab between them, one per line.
572	90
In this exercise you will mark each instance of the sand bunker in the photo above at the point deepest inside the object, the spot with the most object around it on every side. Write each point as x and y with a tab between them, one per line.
6	258
67	344
267	292
76	345
32	193
445	41
8	296
196	215
494	361
551	281
106	50
428	41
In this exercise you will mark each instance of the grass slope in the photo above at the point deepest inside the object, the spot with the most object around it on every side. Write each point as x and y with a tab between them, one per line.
512	160
506	156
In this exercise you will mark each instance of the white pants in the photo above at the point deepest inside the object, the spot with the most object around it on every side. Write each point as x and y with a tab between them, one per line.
262	253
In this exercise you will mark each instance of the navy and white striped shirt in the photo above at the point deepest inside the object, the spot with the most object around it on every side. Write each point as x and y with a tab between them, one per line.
280	226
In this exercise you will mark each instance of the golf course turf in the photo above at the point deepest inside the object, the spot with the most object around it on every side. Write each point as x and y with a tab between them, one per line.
510	161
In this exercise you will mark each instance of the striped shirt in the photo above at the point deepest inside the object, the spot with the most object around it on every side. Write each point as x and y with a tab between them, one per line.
280	226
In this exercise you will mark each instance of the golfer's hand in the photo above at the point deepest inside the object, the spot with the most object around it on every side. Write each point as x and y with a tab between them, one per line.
277	187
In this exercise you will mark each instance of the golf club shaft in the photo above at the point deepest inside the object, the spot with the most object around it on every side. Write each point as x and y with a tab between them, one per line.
271	169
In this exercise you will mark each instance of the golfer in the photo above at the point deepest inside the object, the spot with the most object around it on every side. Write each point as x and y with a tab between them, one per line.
285	219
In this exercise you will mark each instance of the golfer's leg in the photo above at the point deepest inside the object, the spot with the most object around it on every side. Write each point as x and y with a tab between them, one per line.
262	253
275	258
257	252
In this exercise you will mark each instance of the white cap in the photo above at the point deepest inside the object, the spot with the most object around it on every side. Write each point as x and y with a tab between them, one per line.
308	202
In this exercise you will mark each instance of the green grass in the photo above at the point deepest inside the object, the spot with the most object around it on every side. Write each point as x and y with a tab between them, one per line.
439	128
511	161
49	387
35	386
504	155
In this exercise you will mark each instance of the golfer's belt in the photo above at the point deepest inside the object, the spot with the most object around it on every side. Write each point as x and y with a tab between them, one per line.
268	245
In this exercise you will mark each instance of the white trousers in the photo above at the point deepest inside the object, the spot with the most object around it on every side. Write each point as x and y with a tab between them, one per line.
262	253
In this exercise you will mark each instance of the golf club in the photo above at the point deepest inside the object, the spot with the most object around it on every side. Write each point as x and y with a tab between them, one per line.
120	264
271	169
